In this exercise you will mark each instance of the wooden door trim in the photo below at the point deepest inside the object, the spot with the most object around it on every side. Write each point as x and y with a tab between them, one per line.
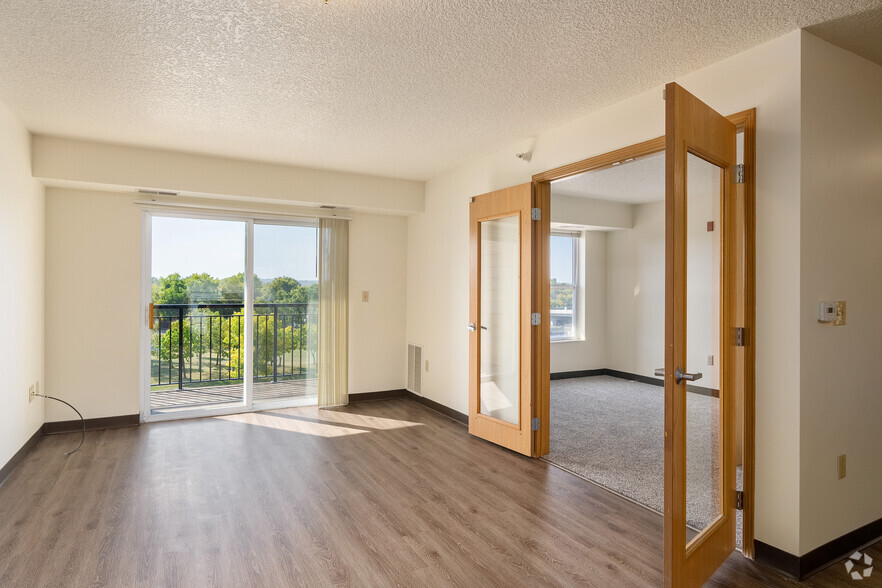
745	121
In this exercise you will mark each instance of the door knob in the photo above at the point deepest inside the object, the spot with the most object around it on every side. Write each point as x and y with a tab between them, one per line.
472	327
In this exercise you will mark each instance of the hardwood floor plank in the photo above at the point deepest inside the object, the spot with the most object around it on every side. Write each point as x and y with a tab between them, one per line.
384	493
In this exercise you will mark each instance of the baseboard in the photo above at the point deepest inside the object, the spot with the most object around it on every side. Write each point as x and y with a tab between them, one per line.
800	568
578	374
19	456
381	395
440	408
634	378
114	422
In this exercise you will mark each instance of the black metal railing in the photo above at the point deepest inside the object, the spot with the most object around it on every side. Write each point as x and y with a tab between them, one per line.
202	344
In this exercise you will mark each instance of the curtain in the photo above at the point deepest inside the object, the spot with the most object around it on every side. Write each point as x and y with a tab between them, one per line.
333	358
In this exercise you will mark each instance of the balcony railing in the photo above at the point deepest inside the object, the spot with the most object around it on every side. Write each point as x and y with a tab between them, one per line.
202	344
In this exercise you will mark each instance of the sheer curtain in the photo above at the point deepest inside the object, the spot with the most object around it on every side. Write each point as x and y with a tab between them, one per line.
333	360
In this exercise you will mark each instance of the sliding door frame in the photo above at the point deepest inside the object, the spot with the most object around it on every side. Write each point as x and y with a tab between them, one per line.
247	404
745	121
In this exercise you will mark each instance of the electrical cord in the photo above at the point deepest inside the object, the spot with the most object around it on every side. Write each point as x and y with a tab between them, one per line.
83	437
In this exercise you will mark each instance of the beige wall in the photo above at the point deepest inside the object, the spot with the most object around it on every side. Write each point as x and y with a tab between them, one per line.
841	404
87	164
766	77
93	309
21	293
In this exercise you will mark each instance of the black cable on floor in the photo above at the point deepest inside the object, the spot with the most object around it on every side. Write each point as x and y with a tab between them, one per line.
83	437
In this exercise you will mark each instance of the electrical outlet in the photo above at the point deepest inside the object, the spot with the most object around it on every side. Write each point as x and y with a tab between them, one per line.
841	466
32	391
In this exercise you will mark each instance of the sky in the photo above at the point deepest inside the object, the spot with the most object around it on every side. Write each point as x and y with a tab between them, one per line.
195	246
562	259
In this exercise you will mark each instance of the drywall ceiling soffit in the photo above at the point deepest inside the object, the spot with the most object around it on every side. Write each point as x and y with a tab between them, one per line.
400	89
859	33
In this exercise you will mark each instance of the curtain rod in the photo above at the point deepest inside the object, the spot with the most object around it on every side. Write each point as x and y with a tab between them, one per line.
231	209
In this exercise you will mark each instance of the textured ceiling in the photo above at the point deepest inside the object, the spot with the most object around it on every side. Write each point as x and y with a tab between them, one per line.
402	88
635	182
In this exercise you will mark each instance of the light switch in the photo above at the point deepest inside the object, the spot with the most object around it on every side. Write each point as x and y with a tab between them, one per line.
826	312
839	318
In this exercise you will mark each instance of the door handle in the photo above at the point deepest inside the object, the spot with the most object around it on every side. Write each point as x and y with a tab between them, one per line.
679	375
472	327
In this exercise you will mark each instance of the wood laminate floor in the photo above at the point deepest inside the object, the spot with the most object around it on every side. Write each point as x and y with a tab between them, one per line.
376	494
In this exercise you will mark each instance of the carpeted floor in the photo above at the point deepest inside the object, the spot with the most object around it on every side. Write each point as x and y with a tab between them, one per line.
610	431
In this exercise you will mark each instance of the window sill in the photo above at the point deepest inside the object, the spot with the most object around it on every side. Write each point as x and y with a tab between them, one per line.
578	340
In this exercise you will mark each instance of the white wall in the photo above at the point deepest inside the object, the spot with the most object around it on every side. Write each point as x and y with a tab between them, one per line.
93	312
589	352
766	77
841	404
83	164
21	295
377	263
636	293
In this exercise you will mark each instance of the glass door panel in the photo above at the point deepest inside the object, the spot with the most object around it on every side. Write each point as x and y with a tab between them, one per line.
197	279
703	416
285	314
499	318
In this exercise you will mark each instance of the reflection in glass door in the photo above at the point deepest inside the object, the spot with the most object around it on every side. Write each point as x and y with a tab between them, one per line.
285	314
197	294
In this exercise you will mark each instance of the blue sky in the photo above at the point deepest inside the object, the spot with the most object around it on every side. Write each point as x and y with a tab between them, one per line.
195	246
562	259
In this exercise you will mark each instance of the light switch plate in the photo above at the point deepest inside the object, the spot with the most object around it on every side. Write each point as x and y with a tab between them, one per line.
839	310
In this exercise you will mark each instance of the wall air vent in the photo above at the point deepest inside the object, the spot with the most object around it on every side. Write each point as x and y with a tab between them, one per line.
156	192
414	368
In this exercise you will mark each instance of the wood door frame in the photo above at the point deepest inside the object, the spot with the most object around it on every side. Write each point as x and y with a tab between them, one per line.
745	121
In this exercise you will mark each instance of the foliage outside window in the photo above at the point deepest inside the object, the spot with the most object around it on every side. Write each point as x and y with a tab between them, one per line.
564	286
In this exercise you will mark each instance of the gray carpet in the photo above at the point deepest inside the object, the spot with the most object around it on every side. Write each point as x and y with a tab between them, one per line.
610	431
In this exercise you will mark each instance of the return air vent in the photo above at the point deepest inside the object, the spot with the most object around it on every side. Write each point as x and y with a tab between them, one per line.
157	192
414	368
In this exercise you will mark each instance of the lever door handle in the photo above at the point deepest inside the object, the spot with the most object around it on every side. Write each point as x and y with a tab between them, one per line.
679	375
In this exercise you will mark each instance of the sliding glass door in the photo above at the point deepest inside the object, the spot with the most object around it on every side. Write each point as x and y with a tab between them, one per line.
285	314
215	284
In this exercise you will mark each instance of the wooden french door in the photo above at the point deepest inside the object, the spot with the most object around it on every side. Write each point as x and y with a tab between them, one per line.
508	317
700	298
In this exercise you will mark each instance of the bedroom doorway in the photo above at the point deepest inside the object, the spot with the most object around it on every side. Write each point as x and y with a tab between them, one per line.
607	397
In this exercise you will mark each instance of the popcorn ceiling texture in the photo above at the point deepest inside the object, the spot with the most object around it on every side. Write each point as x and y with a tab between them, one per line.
401	88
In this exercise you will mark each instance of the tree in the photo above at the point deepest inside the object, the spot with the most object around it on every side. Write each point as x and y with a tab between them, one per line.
202	288
170	290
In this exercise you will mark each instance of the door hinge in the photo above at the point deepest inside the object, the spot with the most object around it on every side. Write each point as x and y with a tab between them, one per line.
740	336
739	500
536	319
534	424
535	214
739	173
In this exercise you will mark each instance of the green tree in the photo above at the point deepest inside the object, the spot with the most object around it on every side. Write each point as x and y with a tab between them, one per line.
202	288
170	290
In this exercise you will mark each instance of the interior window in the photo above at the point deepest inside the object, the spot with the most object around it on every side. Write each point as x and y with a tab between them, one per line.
564	285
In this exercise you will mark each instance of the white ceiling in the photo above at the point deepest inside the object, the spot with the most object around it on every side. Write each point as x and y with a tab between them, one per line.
635	182
401	88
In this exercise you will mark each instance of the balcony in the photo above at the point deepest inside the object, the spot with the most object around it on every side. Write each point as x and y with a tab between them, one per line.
197	354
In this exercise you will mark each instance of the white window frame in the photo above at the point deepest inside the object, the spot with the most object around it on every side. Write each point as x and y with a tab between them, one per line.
577	285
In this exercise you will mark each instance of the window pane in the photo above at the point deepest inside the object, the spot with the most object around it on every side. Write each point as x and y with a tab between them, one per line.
563	286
